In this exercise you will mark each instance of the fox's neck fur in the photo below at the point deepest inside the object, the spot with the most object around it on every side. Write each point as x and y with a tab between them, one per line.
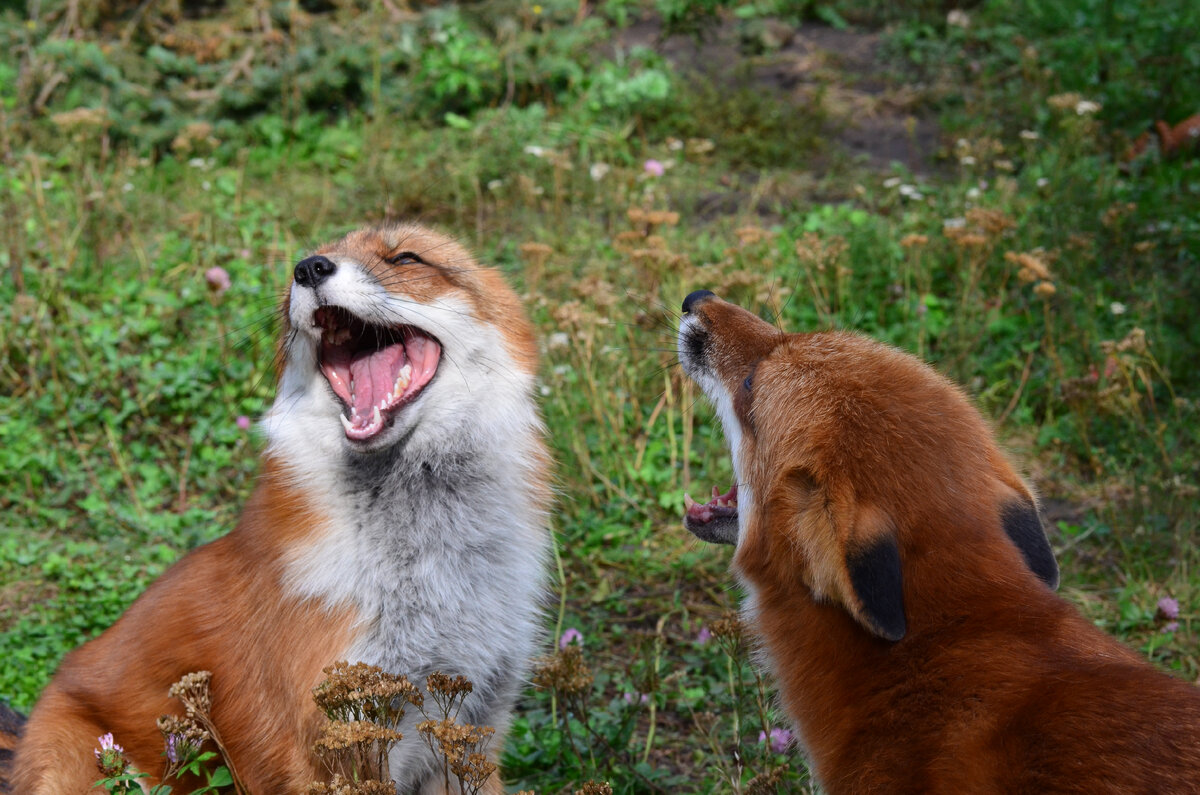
981	646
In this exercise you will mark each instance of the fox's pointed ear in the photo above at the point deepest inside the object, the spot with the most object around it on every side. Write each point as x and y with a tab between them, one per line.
1023	524
876	582
850	551
879	587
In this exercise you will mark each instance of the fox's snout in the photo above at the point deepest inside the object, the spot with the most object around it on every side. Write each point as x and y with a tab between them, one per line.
721	342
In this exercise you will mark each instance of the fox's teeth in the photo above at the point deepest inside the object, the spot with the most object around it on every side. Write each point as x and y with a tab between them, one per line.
688	502
376	417
402	380
716	492
346	423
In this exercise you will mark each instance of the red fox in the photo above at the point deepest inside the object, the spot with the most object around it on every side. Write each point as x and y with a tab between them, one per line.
901	584
1182	139
400	519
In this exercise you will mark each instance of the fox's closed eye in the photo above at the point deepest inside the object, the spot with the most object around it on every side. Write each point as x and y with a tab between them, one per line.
405	258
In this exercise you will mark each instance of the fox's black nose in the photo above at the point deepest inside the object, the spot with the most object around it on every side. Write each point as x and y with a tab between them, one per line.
693	297
311	271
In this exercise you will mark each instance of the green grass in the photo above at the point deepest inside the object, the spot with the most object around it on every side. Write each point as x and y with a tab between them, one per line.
123	375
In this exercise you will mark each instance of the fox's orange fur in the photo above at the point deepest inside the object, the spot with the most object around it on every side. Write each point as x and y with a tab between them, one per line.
901	585
1182	139
219	609
305	578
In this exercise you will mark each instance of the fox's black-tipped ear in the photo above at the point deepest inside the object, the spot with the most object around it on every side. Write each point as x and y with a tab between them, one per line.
1023	524
878	585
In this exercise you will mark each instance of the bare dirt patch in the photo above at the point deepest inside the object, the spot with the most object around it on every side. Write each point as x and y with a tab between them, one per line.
871	113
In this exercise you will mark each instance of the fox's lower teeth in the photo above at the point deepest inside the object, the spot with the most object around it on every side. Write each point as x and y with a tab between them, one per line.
349	426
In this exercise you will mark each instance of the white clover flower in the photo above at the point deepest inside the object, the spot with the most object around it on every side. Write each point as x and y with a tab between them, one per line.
954	223
973	193
892	182
1085	106
599	170
1029	135
535	150
967	160
1117	308
1042	182
958	19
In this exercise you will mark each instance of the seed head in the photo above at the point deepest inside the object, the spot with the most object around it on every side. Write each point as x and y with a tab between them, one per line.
192	691
564	672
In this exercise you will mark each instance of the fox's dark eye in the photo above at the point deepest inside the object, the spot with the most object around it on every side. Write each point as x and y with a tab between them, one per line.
404	258
748	383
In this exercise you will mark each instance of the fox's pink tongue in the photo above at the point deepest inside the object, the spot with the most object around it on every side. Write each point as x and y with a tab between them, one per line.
375	382
374	376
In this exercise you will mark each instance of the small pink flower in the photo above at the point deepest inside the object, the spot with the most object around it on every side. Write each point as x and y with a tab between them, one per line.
571	635
107	744
654	168
703	636
243	422
218	279
110	756
1168	608
1170	627
779	739
635	698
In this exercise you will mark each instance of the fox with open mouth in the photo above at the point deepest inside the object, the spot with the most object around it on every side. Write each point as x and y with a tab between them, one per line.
902	586
400	519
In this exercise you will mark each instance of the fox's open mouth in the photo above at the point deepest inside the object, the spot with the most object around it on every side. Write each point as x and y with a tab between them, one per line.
374	370
715	520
